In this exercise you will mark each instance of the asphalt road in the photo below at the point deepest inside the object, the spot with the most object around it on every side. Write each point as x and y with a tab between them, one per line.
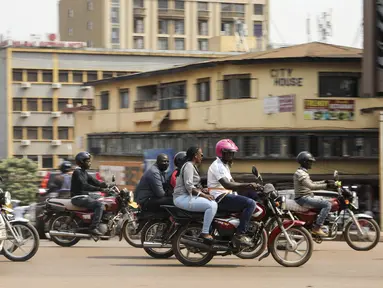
115	264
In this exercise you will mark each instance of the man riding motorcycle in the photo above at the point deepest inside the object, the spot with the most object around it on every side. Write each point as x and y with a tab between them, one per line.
151	191
221	185
83	183
303	187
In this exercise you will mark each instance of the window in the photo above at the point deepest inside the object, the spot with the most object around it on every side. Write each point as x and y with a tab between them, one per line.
32	133
90	5
32	104
47	133
258	29
163	43
77	76
138	25
33	158
18	156
138	3
77	102
228	28
64	157
64	76
115	1
339	84
258	9
63	133
17	75
179	27
107	74
138	42
115	15
124	98
179	4
47	161
89	25
273	146
32	75
203	44
62	104
203	28
17	104
48	76
162	4
92	75
225	7
203	6
90	102
70	31
236	86
239	8
162	26
70	13
47	105
104	100
17	133
180	44
253	146
203	89
116	35
173	95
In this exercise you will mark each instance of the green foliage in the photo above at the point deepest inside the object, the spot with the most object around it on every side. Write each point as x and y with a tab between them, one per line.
20	179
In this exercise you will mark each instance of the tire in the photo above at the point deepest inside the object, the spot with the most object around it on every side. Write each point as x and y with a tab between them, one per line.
307	257
36	244
374	243
127	236
56	239
150	251
262	246
177	250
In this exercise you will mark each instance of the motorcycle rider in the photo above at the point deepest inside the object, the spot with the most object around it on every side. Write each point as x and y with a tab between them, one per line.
303	187
83	183
179	161
221	184
151	191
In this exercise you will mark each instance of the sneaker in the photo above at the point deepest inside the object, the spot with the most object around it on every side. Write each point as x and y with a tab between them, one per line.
244	240
318	231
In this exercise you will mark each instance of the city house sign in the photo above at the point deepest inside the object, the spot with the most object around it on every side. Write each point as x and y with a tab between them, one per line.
284	77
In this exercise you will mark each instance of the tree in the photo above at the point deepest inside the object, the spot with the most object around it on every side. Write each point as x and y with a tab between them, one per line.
20	179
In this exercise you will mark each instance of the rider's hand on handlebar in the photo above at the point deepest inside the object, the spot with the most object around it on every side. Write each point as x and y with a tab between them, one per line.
330	184
255	186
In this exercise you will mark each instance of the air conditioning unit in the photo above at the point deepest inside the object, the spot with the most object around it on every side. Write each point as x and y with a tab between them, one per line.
56	85
25	85
25	142
25	114
86	87
56	142
56	114
69	105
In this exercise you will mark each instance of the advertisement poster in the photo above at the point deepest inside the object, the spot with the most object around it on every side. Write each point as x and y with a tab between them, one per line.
279	104
150	157
127	173
341	110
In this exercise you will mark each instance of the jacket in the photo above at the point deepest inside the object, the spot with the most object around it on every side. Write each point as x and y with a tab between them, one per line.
303	185
82	183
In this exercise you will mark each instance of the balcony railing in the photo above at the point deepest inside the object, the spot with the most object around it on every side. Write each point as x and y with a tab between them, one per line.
146	105
171	13
139	11
170	103
232	14
203	14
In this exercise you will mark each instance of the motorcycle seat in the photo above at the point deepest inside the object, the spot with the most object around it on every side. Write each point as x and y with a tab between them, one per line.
64	204
292	205
181	213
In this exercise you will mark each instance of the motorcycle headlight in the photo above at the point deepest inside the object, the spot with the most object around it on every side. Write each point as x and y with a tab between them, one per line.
7	198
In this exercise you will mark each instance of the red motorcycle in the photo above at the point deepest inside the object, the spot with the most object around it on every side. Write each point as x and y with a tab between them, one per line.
69	223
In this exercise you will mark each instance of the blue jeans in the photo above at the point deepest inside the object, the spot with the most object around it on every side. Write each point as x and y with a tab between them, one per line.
198	204
238	203
318	203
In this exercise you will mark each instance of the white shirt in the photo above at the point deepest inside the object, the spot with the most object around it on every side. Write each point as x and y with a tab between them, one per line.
216	172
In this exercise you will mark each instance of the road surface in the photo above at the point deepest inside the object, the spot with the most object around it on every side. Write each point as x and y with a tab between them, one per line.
116	264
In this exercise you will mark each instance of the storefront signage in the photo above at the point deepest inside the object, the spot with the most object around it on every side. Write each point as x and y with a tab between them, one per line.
284	77
278	104
49	40
315	109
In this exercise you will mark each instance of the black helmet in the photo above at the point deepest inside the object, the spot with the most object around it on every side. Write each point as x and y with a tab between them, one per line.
179	159
81	157
65	166
304	157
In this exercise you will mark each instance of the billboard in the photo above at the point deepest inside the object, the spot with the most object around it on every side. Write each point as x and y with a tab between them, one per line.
315	109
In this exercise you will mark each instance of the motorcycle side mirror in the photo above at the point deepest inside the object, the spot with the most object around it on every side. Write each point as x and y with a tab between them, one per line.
255	172
336	175
113	178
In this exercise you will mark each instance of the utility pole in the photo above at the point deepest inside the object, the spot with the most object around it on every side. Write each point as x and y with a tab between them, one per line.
324	24
308	29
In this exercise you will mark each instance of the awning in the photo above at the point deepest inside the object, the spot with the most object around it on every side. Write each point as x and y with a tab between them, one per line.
158	117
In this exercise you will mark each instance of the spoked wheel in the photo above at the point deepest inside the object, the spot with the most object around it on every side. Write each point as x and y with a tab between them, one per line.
190	256
22	243
366	241
293	254
257	249
131	235
152	232
67	224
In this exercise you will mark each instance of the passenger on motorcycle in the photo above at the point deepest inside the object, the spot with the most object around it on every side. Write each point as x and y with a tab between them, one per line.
62	182
83	183
304	187
221	185
189	194
151	192
179	161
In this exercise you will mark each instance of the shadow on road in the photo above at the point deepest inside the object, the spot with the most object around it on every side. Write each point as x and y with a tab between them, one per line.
206	266
121	257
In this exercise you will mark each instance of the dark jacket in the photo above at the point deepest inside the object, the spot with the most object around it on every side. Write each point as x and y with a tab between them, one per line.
83	183
151	185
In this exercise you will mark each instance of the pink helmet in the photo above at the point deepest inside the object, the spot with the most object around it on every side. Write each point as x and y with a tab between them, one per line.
225	145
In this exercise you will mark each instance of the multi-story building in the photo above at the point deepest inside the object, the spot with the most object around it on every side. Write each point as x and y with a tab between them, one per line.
36	84
166	24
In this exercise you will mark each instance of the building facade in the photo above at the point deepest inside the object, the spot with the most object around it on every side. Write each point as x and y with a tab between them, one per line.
165	24
37	84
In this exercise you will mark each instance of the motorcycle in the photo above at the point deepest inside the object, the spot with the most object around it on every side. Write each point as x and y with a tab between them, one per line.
14	233
188	227
362	223
68	224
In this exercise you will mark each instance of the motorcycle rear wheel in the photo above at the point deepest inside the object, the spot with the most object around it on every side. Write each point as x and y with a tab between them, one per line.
128	236
59	240
150	251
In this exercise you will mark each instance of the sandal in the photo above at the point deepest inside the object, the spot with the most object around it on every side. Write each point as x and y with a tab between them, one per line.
207	237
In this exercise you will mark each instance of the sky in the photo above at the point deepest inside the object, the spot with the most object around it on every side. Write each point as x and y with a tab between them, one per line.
287	19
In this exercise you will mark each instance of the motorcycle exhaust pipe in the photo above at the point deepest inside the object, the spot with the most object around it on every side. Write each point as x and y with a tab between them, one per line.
199	245
68	234
156	245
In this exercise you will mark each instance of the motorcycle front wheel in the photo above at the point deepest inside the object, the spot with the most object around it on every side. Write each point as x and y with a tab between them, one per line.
257	249
131	235
373	237
150	233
